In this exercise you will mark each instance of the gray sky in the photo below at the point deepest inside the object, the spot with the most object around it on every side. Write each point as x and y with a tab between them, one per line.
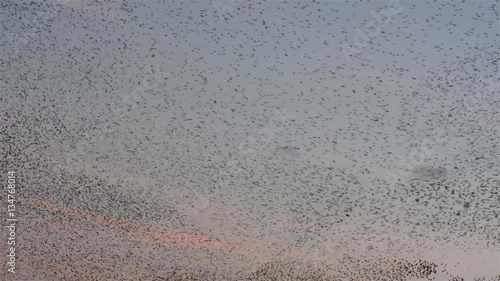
266	86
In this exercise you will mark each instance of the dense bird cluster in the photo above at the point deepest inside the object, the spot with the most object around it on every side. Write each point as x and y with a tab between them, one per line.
154	139
293	270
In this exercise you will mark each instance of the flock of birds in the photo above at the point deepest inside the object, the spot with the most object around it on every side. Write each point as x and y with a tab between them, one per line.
204	152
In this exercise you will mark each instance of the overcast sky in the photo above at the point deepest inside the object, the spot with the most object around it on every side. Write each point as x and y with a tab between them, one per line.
267	87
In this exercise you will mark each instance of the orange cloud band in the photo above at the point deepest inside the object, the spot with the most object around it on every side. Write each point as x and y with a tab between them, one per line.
146	233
